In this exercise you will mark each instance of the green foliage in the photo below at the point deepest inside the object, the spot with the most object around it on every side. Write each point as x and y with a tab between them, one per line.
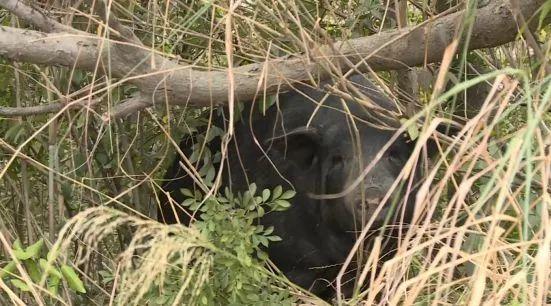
7	94
40	269
229	222
202	153
228	270
544	13
368	18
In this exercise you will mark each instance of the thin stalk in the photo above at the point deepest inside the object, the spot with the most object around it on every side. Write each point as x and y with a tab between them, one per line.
24	172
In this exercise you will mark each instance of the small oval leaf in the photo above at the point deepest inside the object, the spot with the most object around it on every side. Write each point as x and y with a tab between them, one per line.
34	249
277	192
289	194
8	269
72	279
20	285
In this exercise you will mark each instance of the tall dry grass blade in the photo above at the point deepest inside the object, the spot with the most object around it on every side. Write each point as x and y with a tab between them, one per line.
154	250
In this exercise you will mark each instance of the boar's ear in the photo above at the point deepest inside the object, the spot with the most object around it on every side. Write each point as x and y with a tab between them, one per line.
300	146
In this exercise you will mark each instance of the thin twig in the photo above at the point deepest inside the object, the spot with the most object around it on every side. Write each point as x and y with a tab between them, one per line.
127	107
46	108
122	32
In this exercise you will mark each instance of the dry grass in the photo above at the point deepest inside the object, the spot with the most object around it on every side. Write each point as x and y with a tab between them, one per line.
153	250
481	233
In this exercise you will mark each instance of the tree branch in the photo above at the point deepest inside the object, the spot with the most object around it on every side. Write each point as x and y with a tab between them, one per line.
35	17
57	49
128	107
164	81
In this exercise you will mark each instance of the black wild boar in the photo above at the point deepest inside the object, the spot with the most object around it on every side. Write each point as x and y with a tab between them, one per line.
318	149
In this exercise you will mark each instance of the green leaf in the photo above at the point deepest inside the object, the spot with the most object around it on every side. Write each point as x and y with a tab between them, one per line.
31	251
266	103
17	245
8	269
263	240
262	255
72	279
52	254
289	194
16	131
195	206
49	268
265	195
412	130
53	284
21	255
186	192
227	193
246	199
252	189
20	285
258	200
274	238
103	159
252	297
19	252
277	192
269	230
211	172
67	191
282	204
34	249
188	202
33	270
194	156
211	226
207	157
516	303
260	211
545	9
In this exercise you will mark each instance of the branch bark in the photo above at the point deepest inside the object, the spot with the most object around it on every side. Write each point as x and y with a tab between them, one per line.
162	80
35	17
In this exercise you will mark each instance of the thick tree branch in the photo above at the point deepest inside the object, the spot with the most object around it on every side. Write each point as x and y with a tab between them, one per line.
161	80
35	17
57	49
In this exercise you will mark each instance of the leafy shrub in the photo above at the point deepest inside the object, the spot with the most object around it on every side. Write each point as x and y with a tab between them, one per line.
40	269
229	222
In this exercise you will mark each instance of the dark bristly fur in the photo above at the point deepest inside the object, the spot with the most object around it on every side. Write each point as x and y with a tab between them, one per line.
323	157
